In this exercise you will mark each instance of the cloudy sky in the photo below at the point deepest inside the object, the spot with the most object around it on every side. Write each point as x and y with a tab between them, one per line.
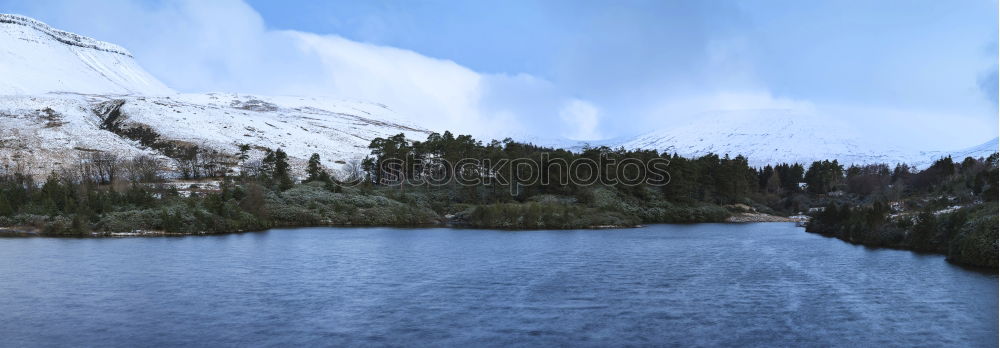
919	72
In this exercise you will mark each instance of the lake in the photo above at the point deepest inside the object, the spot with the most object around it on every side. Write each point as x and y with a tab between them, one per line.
693	285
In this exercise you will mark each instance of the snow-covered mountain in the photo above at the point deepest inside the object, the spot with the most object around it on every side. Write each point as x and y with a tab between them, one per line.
926	158
772	136
64	96
35	58
49	130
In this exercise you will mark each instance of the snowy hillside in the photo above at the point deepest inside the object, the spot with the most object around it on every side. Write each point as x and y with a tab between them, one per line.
779	135
981	150
64	96
35	58
46	131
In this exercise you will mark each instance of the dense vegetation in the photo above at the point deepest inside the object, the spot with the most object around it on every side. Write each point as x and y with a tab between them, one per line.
947	208
107	194
516	185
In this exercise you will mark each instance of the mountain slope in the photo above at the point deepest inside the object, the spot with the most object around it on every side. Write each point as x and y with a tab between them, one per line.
35	58
64	96
982	150
772	136
46	132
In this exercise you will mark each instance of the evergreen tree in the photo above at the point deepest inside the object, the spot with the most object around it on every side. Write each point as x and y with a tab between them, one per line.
5	208
267	166
282	174
823	176
314	170
244	152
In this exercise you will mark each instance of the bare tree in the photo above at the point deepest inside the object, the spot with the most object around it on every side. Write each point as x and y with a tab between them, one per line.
142	168
83	171
214	163
353	170
188	163
252	168
107	166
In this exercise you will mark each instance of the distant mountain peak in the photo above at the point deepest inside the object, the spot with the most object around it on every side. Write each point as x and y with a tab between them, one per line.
40	59
770	136
65	37
58	90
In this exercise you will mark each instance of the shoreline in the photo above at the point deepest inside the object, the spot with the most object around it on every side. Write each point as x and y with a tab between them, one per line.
950	260
761	217
31	232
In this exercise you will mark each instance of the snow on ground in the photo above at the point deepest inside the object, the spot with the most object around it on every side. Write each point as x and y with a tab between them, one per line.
339	131
35	58
44	141
52	81
771	136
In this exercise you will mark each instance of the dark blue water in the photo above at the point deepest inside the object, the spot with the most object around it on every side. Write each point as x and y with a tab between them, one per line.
694	285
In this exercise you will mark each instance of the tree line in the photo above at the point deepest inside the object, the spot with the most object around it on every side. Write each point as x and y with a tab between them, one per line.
253	179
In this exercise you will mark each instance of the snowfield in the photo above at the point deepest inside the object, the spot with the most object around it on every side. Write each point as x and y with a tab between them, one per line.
35	58
771	136
47	131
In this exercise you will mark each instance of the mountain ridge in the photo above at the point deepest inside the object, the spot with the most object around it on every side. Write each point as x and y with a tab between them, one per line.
772	136
64	36
40	59
59	87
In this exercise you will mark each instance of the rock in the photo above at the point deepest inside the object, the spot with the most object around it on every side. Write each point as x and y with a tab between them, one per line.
758	217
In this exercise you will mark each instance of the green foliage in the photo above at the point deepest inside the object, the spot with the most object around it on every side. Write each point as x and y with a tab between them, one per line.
275	170
947	208
976	241
315	171
313	204
823	176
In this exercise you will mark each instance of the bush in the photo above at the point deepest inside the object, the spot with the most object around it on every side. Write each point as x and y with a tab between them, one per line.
125	221
976	242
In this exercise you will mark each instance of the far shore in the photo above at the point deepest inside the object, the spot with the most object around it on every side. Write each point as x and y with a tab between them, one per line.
29	231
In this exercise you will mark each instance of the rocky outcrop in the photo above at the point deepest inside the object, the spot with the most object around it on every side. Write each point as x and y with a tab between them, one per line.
64	36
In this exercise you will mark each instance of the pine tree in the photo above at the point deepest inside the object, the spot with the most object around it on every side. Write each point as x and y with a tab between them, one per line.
315	169
5	207
267	166
282	175
244	150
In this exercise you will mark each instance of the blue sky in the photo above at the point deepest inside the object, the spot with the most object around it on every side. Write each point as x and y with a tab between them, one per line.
577	69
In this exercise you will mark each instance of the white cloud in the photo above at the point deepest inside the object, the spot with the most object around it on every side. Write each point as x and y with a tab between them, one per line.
680	110
581	120
224	45
443	94
212	46
901	128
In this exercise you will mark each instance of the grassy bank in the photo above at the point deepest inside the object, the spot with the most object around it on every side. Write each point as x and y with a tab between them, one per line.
249	206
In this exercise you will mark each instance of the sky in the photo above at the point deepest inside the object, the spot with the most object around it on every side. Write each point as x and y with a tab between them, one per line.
920	73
